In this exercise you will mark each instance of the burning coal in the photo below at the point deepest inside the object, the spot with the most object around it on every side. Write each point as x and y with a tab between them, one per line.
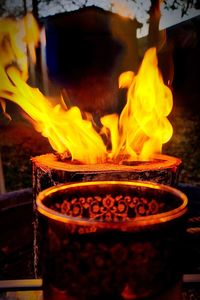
138	133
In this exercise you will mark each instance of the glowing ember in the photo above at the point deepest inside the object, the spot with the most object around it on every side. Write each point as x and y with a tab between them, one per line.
137	134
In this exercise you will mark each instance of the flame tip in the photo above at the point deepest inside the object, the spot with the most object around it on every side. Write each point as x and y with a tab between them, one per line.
137	133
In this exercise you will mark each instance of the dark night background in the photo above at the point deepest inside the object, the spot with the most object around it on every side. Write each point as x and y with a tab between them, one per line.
86	51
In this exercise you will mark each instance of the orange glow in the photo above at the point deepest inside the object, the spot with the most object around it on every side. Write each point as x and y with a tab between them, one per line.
137	134
158	218
31	37
143	124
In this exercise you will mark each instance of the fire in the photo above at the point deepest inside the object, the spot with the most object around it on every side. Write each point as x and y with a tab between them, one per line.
137	134
143	125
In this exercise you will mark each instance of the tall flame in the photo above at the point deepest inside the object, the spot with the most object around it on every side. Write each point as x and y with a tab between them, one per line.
137	134
142	127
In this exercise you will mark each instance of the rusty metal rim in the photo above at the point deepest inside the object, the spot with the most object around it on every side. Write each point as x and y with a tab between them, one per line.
137	222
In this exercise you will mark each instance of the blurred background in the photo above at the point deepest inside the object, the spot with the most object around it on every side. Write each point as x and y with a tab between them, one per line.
85	45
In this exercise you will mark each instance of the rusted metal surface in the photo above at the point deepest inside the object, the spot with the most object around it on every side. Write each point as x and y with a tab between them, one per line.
16	237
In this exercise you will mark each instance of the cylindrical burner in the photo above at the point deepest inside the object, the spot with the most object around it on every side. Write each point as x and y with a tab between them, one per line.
49	171
111	239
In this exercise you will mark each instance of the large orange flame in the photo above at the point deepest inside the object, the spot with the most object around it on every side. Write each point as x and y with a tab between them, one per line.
142	127
137	134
